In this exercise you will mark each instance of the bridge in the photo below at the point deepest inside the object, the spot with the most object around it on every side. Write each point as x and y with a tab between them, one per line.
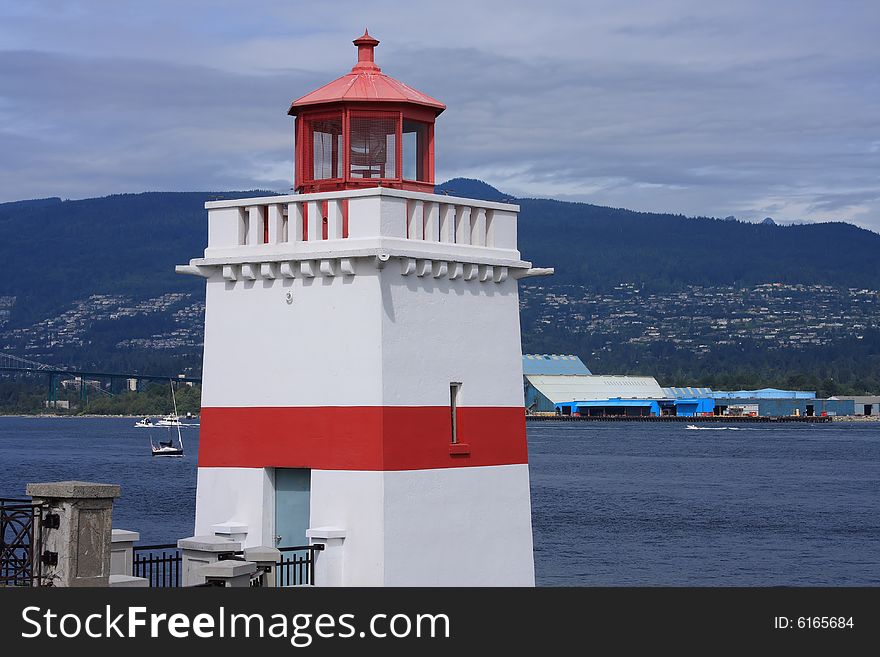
12	364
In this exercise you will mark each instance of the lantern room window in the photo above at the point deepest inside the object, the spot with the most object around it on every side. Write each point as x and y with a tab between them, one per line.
364	129
373	147
415	150
325	145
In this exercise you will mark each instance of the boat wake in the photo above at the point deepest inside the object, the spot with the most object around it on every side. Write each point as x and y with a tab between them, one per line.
694	427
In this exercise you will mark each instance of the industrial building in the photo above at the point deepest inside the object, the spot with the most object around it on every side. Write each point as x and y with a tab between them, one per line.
562	384
771	402
553	364
690	402
863	405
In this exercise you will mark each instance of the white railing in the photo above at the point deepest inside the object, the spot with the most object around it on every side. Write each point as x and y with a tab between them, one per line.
361	214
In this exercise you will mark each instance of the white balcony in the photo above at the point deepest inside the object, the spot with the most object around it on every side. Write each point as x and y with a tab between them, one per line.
324	234
360	218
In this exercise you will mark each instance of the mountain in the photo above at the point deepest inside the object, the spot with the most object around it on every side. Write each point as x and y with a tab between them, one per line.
57	251
60	252
601	247
469	188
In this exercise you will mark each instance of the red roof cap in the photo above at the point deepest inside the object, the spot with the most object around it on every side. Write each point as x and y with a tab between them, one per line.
365	45
365	83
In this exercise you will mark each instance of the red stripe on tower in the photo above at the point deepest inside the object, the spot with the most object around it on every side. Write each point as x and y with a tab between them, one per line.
361	437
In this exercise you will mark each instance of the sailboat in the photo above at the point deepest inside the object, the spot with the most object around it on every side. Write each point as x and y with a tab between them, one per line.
166	447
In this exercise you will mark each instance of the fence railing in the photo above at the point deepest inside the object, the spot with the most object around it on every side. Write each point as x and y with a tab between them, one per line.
20	542
161	565
297	565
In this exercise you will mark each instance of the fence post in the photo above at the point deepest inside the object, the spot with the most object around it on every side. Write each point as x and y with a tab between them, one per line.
122	559
231	572
122	551
328	565
231	531
198	551
76	540
266	558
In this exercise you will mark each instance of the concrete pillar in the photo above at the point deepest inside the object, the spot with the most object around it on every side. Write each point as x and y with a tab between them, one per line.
122	551
415	217
463	225
231	531
276	223
432	222
478	227
334	220
328	563
501	229
230	573
198	551
447	223
128	581
255	225
78	549
266	559
294	222
315	228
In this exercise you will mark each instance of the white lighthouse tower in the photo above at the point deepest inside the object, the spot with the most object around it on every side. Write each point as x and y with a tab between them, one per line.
362	382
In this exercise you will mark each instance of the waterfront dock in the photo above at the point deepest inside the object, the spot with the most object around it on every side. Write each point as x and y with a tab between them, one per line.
745	419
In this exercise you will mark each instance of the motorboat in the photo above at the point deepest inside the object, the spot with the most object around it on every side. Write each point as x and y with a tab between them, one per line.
170	420
145	423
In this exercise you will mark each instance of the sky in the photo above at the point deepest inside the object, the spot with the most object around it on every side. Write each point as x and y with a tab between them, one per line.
747	108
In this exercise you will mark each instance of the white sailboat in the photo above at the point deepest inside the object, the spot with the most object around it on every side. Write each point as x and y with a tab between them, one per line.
167	448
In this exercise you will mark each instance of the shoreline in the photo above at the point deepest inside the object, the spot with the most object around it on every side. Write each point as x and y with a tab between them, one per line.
855	419
713	419
83	416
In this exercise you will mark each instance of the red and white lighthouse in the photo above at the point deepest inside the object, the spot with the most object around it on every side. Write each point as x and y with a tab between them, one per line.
362	381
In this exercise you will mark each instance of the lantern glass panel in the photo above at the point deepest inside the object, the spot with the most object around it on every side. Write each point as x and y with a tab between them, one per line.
325	146
373	147
415	150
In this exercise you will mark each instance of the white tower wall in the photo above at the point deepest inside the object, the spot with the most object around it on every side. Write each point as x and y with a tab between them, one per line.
337	355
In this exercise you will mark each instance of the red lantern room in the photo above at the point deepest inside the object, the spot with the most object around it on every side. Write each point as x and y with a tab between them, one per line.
365	129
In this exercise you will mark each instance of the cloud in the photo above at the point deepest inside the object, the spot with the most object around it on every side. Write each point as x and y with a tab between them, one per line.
748	109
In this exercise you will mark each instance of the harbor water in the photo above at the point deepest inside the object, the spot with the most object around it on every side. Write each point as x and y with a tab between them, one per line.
612	503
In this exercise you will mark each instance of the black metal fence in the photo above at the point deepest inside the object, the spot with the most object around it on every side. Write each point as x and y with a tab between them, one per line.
20	542
297	565
159	564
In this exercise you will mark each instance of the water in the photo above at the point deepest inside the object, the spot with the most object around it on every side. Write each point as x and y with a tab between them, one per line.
659	504
158	494
612	504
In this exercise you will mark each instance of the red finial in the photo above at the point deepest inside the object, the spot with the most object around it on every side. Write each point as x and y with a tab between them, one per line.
365	45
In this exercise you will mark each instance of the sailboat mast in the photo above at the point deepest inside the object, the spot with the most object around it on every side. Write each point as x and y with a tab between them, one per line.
174	401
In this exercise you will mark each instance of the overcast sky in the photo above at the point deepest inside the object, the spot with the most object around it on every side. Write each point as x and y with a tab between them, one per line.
750	108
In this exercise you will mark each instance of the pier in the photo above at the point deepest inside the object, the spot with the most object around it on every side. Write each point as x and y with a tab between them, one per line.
741	419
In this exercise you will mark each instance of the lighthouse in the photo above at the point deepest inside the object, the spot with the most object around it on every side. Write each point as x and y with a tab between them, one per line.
362	377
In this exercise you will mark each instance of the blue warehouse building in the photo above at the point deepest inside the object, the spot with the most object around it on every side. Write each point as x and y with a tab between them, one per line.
562	384
771	402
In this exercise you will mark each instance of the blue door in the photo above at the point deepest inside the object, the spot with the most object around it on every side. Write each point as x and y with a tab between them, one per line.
291	506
